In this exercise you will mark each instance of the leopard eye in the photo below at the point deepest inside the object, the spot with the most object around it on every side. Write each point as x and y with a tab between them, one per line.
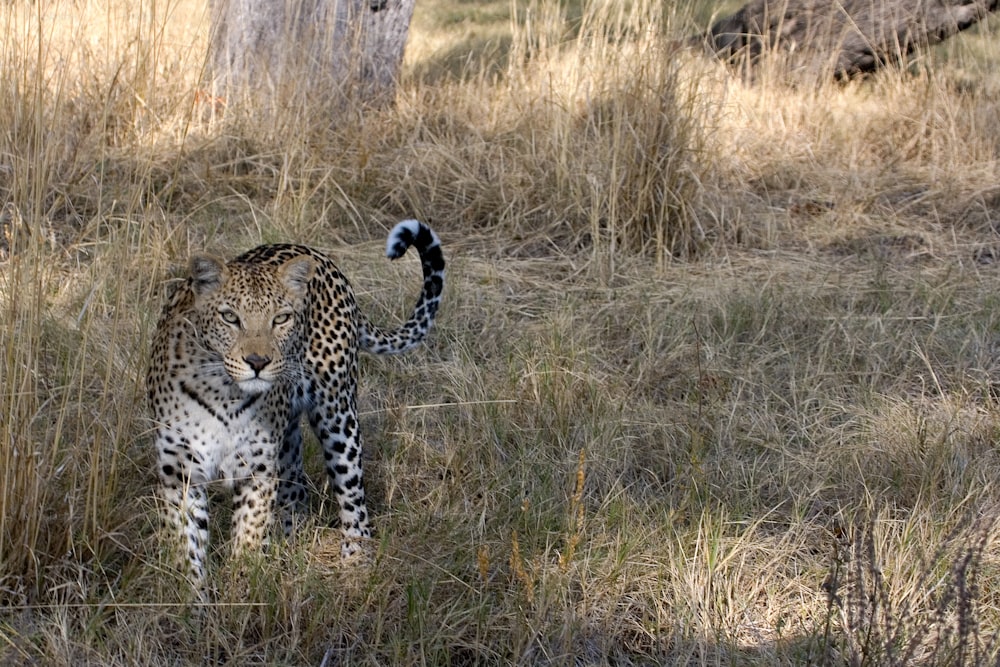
229	317
281	318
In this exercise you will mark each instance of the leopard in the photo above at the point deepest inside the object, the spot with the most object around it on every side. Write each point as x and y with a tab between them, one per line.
244	352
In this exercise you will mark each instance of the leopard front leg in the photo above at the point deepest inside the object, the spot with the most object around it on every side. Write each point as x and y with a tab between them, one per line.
254	494
184	508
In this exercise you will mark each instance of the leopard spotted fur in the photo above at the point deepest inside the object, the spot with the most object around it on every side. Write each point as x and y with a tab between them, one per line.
242	351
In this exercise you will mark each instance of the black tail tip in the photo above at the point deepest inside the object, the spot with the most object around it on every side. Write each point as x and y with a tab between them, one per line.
407	233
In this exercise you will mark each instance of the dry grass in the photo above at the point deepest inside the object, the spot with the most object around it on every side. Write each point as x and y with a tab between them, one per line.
714	382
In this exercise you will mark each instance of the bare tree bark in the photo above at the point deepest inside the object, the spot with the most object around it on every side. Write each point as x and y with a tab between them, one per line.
338	49
843	38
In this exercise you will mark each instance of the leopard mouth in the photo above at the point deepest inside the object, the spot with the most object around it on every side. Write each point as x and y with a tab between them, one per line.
255	385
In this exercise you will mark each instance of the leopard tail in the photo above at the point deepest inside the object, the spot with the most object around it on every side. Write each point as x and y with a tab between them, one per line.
405	234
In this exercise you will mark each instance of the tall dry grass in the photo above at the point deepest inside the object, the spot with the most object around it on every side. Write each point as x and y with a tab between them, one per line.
714	381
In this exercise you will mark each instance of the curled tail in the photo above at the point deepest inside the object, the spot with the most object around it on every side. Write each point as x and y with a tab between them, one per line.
402	236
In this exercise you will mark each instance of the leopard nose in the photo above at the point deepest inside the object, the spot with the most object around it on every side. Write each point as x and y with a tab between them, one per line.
257	362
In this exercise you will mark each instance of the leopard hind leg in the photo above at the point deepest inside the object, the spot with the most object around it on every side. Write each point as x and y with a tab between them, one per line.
339	433
293	494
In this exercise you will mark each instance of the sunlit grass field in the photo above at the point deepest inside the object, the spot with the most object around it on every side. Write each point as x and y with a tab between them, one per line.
714	381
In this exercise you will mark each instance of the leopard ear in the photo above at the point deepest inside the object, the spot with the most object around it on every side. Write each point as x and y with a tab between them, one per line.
207	273
296	273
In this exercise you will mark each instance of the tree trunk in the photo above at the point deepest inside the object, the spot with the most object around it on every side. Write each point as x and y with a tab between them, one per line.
337	50
843	38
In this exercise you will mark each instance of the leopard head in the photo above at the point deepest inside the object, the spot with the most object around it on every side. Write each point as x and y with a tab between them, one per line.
252	317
